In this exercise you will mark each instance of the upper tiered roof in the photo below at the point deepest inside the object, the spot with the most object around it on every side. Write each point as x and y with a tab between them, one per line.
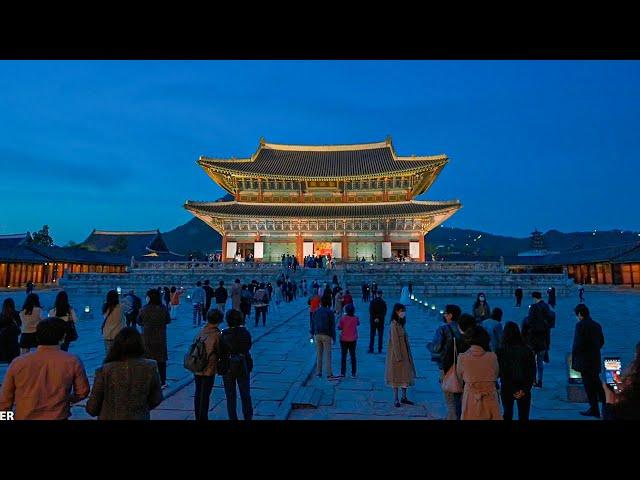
363	160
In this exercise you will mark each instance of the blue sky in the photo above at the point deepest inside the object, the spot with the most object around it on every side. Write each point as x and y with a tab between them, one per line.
113	144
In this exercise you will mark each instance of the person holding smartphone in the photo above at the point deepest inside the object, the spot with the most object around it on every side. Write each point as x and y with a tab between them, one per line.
624	403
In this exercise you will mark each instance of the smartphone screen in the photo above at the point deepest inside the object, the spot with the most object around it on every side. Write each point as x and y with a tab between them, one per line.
612	369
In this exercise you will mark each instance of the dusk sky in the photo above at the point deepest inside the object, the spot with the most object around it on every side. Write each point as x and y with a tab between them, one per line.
113	145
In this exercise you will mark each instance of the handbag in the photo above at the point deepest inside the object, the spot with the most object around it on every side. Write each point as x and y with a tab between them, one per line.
450	382
72	333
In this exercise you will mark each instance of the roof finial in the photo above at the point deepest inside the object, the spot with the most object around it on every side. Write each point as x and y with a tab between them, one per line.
262	141
388	140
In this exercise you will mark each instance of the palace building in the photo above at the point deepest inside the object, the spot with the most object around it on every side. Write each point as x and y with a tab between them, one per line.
349	201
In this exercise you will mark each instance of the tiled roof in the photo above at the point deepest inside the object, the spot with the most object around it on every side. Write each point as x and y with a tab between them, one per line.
138	243
344	210
42	254
326	161
20	254
14	240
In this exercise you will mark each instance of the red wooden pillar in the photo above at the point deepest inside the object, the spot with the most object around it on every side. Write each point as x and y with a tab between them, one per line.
299	249
422	252
224	248
345	248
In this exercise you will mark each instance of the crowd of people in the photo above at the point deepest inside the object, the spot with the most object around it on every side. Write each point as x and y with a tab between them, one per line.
487	368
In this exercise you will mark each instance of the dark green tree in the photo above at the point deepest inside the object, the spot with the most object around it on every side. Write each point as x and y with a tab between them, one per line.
120	245
42	237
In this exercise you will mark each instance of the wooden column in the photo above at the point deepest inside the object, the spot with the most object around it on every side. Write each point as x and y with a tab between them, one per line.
224	248
385	194
299	249
345	248
422	252
260	197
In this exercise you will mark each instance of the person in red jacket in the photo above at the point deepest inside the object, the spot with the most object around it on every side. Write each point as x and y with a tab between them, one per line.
349	327
347	299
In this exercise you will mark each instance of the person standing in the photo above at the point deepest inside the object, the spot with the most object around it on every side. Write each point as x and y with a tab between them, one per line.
167	297
131	305
338	301
113	320
204	380
347	299
260	302
208	296
176	293
405	298
127	386
29	287
365	291
63	310
154	318
478	369
551	293
399	368
42	385
198	298
323	332
624	404
245	302
9	331
349	327
236	294
314	304
518	297
30	315
221	296
493	326
517	365
581	293
442	349
588	340
377	313
481	310
536	332
236	365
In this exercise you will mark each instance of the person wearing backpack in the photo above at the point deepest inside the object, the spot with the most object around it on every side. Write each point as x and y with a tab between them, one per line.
235	365
202	360
260	302
493	326
517	364
63	310
441	348
535	330
221	296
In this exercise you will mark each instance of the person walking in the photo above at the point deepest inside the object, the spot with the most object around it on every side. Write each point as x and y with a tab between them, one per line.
205	379
245	302
377	313
581	293
588	340
126	386
236	365
518	297
323	332
63	310
43	385
442	349
405	298
260	302
347	299
221	295
208	296
481	310
236	294
314	304
493	326
166	295
478	369
30	315
131	305
338	301
365	291
154	318
198	297
399	368
113	320
348	327
517	366
536	333
9	331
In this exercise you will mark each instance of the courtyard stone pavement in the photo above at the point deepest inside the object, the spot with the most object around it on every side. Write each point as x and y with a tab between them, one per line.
284	360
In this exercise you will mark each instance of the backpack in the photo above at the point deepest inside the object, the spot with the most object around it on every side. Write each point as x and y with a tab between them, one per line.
551	318
237	364
197	358
265	297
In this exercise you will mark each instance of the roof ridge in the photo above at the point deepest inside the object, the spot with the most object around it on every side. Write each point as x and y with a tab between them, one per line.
326	147
13	235
331	204
125	232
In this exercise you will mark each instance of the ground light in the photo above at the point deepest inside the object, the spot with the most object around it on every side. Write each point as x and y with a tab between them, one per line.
119	290
87	309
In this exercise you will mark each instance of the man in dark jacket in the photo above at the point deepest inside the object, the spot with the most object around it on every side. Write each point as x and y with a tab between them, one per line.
208	295
518	297
235	365
323	332
377	312
536	332
585	358
221	295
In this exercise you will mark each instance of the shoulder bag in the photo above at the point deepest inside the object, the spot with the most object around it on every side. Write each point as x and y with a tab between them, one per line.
451	383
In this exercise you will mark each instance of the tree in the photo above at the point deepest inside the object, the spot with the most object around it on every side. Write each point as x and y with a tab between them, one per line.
120	245
42	237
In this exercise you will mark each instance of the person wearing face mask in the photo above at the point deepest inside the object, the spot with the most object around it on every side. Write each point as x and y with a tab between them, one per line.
481	310
400	371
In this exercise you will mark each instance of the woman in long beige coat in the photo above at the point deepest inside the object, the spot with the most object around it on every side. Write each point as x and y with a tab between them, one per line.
399	369
478	369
